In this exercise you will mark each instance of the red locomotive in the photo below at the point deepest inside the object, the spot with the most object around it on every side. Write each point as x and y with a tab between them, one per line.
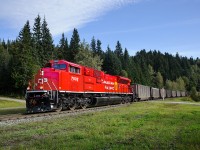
64	85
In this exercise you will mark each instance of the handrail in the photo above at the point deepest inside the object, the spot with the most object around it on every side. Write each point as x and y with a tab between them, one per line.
56	90
54	85
50	88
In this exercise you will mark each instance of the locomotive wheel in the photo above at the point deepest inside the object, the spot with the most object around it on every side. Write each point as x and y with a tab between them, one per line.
122	101
60	106
128	100
59	109
72	107
84	106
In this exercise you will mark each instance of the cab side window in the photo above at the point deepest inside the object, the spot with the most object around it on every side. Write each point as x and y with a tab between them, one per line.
74	69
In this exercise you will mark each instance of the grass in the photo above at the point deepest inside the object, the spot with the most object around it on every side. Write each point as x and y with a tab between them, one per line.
12	111
10	104
11	107
180	99
137	126
16	94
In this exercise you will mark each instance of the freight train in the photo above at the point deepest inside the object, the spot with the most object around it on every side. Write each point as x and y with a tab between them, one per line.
62	85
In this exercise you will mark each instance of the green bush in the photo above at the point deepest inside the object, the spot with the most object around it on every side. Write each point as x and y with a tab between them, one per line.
194	95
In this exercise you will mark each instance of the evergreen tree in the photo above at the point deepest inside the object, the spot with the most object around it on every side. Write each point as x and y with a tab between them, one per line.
134	71
107	60
142	68
61	49
99	49
74	45
93	46
37	51
118	50
47	44
5	77
3	43
111	64
126	62
66	50
22	62
56	52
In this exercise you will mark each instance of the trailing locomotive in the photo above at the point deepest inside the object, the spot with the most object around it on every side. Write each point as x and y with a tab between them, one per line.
64	85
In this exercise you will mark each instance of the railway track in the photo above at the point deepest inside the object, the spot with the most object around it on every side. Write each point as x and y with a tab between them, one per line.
21	118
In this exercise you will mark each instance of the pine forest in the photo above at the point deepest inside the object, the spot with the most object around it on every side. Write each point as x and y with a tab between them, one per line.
34	47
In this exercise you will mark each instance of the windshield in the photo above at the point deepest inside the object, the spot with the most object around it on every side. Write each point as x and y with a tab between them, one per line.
60	66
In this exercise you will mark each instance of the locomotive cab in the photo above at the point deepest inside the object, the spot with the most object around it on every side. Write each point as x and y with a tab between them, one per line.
42	93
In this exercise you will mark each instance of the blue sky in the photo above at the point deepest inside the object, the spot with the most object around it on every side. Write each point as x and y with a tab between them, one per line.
169	26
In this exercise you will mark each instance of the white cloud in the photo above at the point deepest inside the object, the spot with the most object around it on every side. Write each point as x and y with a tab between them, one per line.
61	15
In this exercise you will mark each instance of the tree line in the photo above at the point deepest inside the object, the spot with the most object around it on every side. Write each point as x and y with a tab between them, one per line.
21	58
